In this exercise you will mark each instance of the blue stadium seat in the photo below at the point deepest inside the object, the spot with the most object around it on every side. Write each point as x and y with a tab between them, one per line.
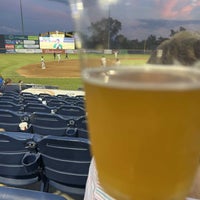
66	163
42	95
27	94
56	103
7	105
49	124
37	107
70	111
80	103
11	99
75	132
82	133
62	96
71	100
12	94
81	123
31	99
8	193
48	98
19	161
10	120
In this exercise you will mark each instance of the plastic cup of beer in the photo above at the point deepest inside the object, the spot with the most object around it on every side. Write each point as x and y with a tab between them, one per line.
143	119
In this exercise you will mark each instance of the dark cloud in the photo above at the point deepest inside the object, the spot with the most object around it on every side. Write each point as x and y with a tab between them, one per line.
148	23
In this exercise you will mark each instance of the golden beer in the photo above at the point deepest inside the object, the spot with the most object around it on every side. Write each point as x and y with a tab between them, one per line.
144	129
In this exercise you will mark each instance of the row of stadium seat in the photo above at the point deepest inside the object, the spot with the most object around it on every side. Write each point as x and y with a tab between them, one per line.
63	109
51	101
43	123
62	162
42	96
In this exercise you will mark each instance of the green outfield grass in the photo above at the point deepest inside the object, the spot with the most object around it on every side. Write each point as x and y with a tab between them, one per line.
9	63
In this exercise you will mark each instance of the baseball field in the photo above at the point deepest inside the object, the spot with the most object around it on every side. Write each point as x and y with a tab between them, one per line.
64	74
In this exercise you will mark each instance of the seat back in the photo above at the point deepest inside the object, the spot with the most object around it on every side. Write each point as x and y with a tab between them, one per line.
13	99
14	149
71	100
48	124
55	103
7	105
37	107
66	161
81	123
70	111
31	99
10	120
10	193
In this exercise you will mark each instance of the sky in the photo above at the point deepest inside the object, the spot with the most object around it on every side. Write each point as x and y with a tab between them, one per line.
139	18
39	16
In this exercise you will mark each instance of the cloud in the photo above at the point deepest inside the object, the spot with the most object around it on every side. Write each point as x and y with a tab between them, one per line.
177	9
9	30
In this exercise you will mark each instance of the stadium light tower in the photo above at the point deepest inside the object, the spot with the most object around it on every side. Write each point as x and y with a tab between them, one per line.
108	45
22	19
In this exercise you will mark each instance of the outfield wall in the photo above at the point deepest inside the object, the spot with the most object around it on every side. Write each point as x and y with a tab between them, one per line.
29	44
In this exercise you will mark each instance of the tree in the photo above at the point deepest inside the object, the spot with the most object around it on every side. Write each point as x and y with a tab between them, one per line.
120	42
173	32
103	32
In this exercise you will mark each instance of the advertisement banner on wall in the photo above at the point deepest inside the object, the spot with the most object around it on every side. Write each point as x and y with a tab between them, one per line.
2	44
28	50
9	46
19	41
16	37
9	41
33	37
58	51
19	46
31	46
10	51
29	42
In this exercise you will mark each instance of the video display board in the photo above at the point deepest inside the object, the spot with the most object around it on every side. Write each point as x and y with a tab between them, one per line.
56	43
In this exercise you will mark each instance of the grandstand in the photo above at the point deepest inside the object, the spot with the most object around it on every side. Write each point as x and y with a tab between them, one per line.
30	122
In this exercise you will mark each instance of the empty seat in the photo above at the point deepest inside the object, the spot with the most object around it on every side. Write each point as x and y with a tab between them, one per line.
75	132
37	107
71	100
11	99
19	162
10	120
66	163
48	98
49	124
8	193
55	103
62	96
33	99
11	94
7	105
70	111
81	123
80	103
82	133
42	95
27	94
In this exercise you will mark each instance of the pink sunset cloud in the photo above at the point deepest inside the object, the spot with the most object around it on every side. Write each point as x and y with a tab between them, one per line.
176	9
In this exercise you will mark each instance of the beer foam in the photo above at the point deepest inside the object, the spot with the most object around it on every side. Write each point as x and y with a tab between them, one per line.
151	77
